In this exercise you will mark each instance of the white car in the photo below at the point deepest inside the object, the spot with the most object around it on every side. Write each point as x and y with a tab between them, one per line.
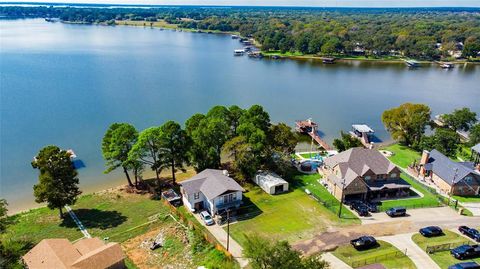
207	218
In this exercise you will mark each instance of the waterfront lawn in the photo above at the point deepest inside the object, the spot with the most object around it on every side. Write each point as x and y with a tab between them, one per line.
402	155
428	199
442	258
115	214
290	216
385	254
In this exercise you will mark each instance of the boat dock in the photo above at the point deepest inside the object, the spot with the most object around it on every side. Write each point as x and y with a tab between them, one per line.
309	127
363	133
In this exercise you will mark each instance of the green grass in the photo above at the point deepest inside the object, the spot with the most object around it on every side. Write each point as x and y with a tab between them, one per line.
310	182
467	199
443	258
291	216
382	254
403	155
428	199
103	215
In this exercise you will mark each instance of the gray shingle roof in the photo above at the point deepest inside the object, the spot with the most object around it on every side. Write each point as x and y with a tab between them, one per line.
451	172
476	148
358	161
211	182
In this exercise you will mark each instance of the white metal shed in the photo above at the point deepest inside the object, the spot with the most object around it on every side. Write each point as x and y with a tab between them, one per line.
270	182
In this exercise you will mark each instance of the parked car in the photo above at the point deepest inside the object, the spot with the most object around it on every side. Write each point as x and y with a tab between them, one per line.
364	242
470	232
360	208
396	212
372	207
207	218
465	265
431	231
466	252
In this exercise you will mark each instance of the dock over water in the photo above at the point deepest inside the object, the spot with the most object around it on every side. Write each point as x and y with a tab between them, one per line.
309	127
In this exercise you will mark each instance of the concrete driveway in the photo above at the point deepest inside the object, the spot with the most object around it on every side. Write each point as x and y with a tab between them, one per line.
404	243
473	207
221	235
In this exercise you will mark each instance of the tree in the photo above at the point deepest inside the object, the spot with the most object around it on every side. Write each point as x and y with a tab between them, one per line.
147	149
265	254
58	181
407	122
174	147
3	215
244	163
281	139
444	140
346	141
474	137
117	143
11	251
472	46
460	119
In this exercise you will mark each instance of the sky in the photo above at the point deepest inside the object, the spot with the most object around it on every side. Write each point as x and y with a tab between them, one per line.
315	3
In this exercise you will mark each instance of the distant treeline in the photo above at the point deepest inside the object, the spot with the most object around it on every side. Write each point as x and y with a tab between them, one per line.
416	32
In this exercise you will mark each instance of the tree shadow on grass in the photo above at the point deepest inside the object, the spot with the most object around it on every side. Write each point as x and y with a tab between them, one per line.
94	218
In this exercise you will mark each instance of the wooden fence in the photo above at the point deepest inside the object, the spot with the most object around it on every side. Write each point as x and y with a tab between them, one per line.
376	259
444	247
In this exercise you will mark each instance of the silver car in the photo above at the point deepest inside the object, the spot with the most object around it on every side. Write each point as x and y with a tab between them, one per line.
207	218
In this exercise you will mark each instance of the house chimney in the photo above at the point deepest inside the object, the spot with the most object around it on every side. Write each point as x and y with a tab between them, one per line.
425	157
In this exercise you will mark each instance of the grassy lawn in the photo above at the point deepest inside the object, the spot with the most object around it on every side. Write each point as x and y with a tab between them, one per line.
310	182
385	254
291	216
403	155
443	258
104	215
467	199
428	199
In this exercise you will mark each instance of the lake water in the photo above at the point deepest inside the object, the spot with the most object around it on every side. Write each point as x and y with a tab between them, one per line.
65	84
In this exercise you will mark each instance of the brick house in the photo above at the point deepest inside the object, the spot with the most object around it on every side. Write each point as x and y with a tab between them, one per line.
456	178
366	173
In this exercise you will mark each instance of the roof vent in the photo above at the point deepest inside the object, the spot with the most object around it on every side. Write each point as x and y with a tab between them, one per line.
225	173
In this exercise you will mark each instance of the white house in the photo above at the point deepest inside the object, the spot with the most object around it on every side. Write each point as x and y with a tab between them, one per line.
212	190
270	182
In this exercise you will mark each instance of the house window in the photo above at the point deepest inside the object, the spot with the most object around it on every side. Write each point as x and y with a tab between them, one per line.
196	196
229	198
368	177
393	175
468	179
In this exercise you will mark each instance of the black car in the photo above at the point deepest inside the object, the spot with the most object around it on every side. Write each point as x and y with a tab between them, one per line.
465	265
431	231
466	252
396	212
360	208
364	242
372	207
470	232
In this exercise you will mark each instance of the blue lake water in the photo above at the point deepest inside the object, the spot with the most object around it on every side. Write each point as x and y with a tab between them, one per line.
65	84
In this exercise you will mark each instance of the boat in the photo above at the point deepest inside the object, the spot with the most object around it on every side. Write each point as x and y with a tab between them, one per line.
412	63
328	60
238	52
235	37
446	65
255	54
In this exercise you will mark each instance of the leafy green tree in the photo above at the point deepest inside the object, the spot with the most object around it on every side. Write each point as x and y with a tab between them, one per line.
58	181
460	119
234	117
245	163
117	143
265	254
147	149
471	47
407	122
11	252
257	116
174	147
345	142
474	137
282	140
3	215
444	140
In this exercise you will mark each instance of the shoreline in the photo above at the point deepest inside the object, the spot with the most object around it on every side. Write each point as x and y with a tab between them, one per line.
346	58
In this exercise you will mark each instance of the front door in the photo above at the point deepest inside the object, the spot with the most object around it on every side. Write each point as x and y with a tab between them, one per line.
198	206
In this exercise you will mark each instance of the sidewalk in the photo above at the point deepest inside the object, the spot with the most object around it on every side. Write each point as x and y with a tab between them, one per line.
221	235
334	262
404	243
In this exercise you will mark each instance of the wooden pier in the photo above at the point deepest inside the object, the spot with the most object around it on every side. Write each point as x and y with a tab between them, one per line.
309	127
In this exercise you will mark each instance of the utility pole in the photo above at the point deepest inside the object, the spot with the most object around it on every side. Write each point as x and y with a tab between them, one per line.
453	183
341	200
228	228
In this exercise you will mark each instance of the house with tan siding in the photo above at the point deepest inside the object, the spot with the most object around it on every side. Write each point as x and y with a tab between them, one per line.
363	174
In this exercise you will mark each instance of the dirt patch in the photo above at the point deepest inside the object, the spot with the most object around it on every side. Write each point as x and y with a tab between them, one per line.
335	237
174	254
